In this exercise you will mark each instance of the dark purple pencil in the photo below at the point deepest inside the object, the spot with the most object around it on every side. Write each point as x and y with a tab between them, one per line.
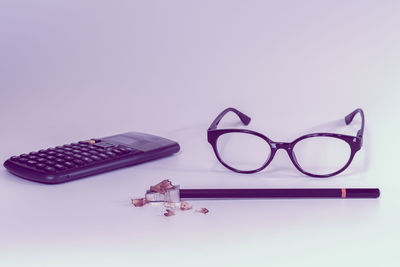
176	194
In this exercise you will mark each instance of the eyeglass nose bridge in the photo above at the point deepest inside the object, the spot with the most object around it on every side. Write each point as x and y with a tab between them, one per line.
281	145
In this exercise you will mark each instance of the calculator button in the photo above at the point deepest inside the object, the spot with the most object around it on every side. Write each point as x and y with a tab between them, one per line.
31	162
68	153
104	145
95	157
59	160
85	154
67	148
49	169
42	155
104	156
83	145
59	151
40	165
94	152
14	158
86	159
69	164
50	157
59	167
78	161
41	160
68	158
51	152
60	155
78	156
22	160
76	151
126	149
110	153
84	149
24	155
117	151
33	153
49	162
32	157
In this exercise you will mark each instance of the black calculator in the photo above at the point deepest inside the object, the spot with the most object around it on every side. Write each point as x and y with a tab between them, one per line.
85	158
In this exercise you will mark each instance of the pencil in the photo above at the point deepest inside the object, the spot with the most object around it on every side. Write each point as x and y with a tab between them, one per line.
282	193
176	194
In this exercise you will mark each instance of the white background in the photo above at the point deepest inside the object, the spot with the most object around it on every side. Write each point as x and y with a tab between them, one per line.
72	70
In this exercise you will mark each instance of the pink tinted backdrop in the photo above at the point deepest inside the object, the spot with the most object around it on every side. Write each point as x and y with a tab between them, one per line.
71	70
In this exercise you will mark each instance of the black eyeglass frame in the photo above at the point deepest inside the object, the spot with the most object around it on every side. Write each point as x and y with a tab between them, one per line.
355	142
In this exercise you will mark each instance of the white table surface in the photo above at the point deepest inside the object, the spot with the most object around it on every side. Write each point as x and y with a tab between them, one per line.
72	71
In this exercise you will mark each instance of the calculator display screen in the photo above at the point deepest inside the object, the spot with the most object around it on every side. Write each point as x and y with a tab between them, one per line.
123	140
139	141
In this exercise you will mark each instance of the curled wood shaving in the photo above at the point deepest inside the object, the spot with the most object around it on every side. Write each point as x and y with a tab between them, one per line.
162	187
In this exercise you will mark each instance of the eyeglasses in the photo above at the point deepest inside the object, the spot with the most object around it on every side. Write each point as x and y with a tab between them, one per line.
316	154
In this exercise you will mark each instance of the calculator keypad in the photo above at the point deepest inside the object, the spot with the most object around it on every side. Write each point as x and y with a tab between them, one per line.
74	155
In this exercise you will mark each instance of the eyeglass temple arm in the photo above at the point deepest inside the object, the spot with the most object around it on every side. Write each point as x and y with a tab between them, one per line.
243	117
349	118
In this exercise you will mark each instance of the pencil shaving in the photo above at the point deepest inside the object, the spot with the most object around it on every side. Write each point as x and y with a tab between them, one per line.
203	210
171	207
169	213
139	202
162	187
185	206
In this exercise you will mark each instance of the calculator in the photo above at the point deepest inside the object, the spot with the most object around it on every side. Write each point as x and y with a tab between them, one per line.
85	158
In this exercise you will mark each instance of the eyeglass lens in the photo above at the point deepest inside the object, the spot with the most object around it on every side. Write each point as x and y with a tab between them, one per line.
319	155
243	151
322	155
